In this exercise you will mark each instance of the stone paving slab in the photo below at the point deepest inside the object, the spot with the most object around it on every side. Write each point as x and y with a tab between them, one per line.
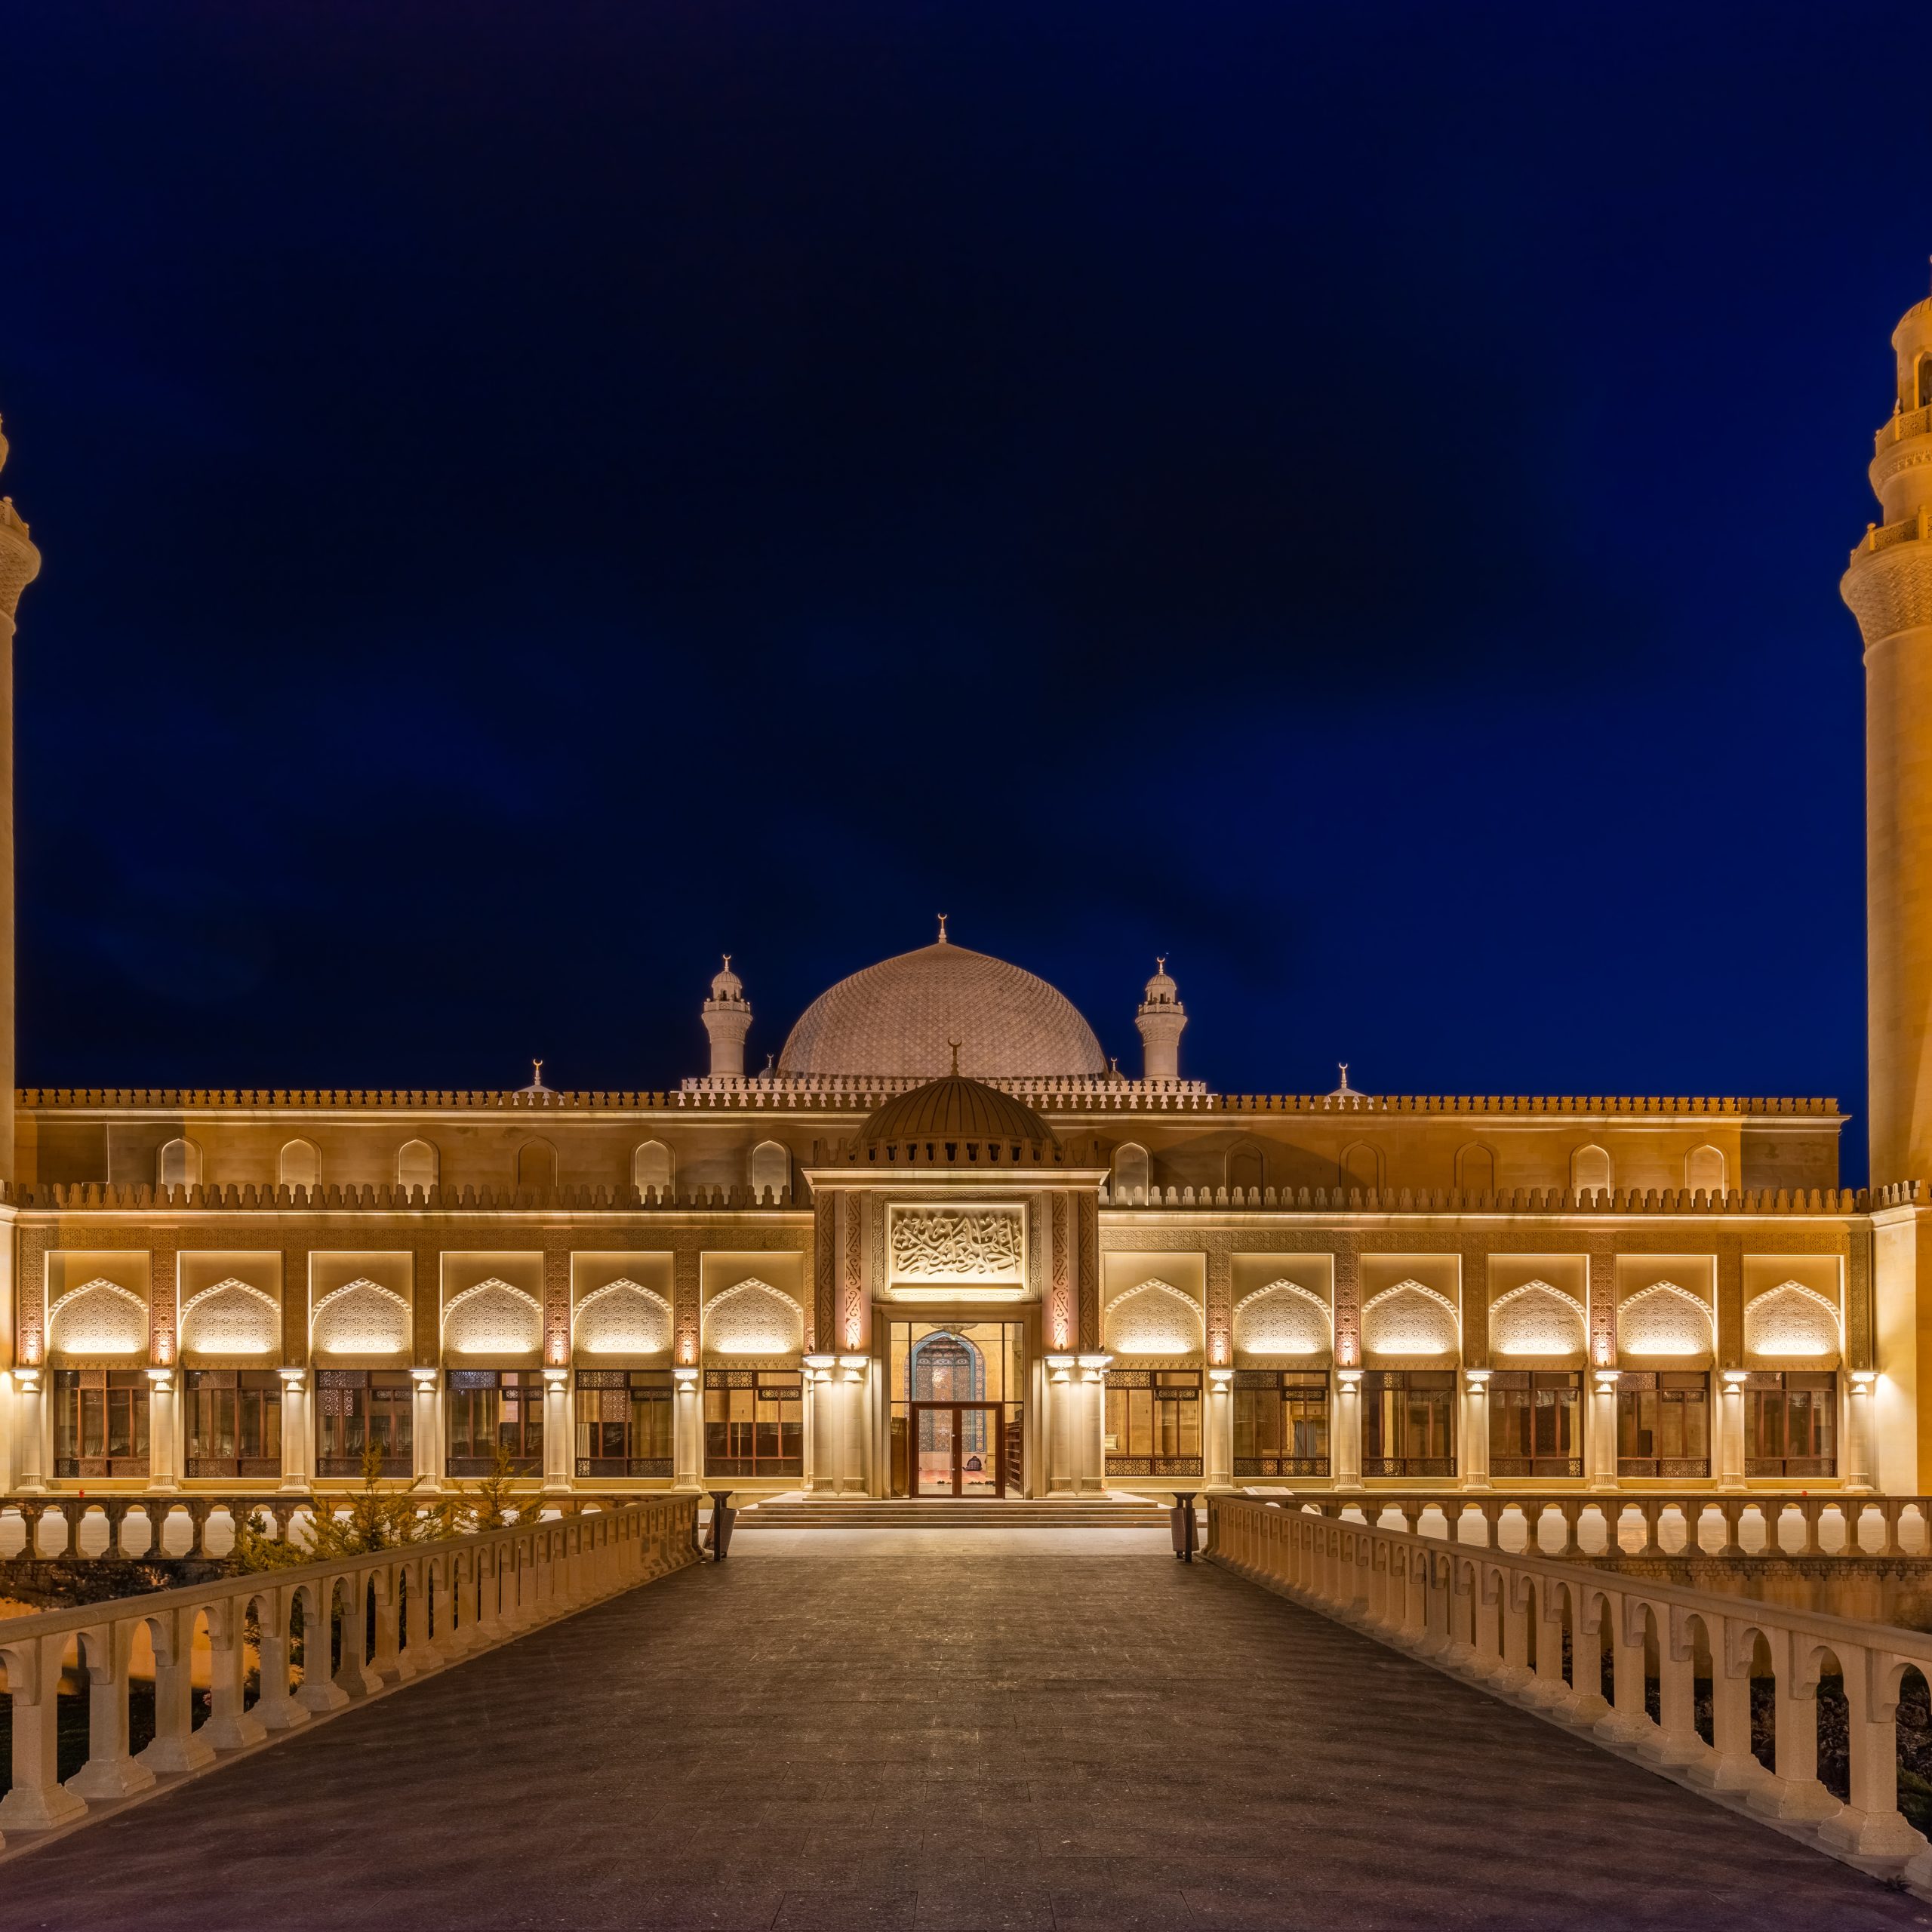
944	1733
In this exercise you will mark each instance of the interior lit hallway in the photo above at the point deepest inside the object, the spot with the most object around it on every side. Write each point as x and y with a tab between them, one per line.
955	1729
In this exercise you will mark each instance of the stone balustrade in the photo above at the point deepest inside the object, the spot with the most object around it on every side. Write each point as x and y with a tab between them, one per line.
1520	1626
1788	1522
177	1524
401	1613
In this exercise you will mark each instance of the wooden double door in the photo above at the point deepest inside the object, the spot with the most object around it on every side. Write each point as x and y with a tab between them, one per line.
961	1449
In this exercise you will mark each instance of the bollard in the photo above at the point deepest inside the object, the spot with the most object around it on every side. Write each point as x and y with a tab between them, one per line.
1181	1520
722	1517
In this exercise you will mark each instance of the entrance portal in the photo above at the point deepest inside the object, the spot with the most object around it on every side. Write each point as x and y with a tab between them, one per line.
958	1419
961	1448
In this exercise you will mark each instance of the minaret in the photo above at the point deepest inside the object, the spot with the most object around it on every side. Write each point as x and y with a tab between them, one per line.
20	564
728	1019
1161	1019
1889	587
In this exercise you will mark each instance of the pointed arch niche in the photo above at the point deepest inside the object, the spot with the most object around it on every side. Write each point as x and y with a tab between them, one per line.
299	1164
1665	1321
1154	1317
98	1319
752	1317
1410	1319
1793	1323
1282	1319
361	1323
491	1318
1538	1318
1131	1175
230	1319
622	1317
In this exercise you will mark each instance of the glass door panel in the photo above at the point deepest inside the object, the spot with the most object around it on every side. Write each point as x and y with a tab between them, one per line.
935	1428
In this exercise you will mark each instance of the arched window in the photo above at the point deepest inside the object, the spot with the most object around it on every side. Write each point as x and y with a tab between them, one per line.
299	1165
1245	1168
1704	1167
1589	1166
1475	1169
180	1164
650	1167
771	1168
1130	1175
1361	1166
1925	381
416	1165
536	1165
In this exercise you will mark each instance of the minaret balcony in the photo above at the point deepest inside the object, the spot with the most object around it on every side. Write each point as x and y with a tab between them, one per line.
1916	529
1906	422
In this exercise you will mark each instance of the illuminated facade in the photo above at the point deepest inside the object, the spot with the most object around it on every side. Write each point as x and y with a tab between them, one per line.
945	1248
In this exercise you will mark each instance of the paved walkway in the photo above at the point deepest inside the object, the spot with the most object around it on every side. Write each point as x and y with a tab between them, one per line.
959	1731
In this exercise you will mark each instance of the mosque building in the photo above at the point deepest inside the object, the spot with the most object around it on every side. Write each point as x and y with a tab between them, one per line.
943	1247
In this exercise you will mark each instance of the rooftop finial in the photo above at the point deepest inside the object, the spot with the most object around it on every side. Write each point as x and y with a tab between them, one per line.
954	1045
942	939
536	1073
727	962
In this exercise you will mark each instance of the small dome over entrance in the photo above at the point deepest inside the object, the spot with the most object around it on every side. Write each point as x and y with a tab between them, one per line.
951	1122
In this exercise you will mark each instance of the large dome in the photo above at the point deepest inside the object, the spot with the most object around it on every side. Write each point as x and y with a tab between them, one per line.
896	1020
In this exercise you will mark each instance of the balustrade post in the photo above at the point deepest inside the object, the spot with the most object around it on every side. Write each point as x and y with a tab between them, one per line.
1459	1652
1890	1510
319	1689
178	1747
38	1800
1732	1765
1491	1513
1513	1673
492	1625
1653	1515
116	1514
387	1663
1571	1513
229	1726
353	1673
421	1651
1675	1740
276	1708
1733	1514
1871	1825
1793	1791
1548	1691
110	1771
1485	1611
1435	1603
1628	1721
1811	1509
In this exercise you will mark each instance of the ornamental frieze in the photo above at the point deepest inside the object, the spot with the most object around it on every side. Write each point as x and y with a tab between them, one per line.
956	1244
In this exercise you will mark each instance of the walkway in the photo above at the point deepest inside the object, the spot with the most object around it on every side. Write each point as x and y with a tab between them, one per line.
955	1730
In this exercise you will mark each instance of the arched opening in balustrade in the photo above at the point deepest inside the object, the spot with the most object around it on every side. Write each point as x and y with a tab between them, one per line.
1599	1674
1832	1713
76	1695
1912	1727
1653	1665
1703	1667
1559	1617
1764	1702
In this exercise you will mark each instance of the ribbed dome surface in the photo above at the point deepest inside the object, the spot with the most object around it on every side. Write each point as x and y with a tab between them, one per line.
956	1109
896	1019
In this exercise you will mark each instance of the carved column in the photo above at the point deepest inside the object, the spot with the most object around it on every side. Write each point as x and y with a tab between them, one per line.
556	1297
824	1272
1348	1300
1086	1246
164	1297
1730	1302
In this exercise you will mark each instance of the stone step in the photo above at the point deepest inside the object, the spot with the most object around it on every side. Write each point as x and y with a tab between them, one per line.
875	1513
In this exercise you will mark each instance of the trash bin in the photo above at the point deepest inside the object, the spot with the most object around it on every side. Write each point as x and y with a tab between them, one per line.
722	1517
1181	1520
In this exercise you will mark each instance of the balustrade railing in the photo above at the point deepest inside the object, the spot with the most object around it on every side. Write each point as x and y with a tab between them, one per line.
177	1525
1782	1523
1533	1630
400	1613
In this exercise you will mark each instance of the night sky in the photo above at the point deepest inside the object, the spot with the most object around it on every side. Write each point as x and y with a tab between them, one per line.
536	497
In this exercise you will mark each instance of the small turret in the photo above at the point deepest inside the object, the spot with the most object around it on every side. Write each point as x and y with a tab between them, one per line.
728	1019
1162	1021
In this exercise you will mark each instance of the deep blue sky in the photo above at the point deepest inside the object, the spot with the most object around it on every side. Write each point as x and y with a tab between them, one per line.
1352	498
